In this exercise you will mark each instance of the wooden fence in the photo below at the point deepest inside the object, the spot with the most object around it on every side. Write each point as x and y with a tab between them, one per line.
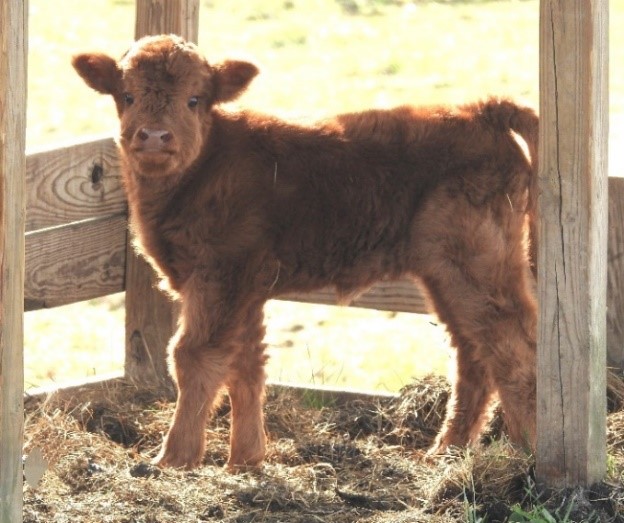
76	240
76	204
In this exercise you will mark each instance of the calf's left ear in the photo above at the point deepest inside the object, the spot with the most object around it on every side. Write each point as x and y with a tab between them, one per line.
232	78
99	71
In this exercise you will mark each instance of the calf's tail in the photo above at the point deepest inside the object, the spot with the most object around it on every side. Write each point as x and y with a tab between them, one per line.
524	121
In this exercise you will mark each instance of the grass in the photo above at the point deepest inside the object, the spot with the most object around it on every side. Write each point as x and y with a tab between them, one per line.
318	57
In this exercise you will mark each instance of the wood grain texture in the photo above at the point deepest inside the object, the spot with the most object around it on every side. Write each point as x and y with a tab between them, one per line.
150	317
150	322
399	296
73	183
13	55
615	275
76	262
572	283
180	17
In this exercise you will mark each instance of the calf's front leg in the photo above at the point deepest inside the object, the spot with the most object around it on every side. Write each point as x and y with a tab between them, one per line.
199	372
246	387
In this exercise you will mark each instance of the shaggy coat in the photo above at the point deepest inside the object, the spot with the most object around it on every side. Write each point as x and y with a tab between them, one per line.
234	208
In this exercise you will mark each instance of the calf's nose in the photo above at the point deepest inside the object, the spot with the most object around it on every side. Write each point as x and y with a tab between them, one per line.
153	139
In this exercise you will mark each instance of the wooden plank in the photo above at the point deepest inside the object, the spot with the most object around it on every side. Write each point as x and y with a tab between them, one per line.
150	322
615	275
73	183
150	316
180	17
13	56
399	296
328	397
76	262
572	282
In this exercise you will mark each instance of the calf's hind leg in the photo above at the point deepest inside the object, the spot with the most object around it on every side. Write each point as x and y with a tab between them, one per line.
499	357
469	406
477	273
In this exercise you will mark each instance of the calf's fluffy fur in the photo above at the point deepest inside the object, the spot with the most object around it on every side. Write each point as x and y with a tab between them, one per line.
234	208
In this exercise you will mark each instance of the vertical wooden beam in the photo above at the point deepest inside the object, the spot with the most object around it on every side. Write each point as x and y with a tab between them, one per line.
150	316
571	405
13	54
180	17
615	275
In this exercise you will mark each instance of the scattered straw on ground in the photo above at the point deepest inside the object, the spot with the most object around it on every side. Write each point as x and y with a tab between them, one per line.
356	461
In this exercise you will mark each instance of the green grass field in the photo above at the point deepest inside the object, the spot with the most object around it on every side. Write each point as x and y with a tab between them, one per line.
317	57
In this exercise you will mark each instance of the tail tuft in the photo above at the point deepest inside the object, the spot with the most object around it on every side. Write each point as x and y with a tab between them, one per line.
524	121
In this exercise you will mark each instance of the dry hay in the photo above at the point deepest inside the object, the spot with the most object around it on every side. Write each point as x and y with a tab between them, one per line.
331	459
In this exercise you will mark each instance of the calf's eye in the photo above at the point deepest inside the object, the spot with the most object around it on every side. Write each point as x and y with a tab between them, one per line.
128	98
193	101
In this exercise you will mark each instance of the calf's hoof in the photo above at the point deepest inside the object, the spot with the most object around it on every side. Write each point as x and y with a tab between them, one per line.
245	463
238	468
436	450
177	460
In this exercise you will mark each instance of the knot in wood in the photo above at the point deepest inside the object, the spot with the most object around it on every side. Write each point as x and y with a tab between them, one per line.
97	173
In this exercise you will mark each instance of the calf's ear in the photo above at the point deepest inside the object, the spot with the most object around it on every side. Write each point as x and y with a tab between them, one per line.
99	71
232	78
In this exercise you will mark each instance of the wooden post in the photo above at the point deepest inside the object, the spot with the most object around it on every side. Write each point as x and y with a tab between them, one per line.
180	17
150	316
571	402
615	275
13	53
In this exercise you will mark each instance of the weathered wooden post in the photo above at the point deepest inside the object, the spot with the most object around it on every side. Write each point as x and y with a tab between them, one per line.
150	316
13	53
615	274
571	404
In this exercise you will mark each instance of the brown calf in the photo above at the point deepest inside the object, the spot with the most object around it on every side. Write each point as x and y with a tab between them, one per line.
235	208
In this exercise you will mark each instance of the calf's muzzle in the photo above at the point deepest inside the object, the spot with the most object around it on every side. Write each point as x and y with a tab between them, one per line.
152	139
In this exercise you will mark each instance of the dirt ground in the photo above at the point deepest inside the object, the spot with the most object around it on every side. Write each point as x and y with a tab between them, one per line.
332	458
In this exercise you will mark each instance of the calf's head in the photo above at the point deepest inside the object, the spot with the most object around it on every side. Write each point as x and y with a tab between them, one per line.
164	91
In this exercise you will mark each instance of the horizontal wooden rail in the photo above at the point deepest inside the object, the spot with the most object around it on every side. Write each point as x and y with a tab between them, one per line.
75	262
399	296
73	183
69	260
